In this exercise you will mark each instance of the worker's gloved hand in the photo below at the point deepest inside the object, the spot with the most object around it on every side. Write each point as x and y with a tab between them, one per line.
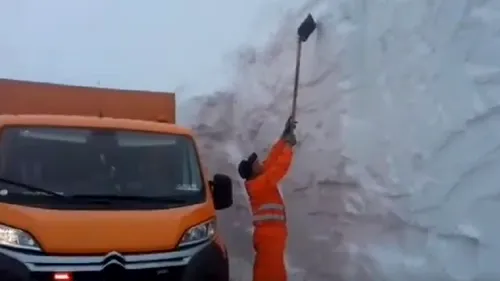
290	126
288	134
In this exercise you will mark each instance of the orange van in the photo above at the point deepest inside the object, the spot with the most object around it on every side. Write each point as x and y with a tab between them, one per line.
100	184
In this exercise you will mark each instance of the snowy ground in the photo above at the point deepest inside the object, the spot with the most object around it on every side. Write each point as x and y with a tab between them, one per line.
396	175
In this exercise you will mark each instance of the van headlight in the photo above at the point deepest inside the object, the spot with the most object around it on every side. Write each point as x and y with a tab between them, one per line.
198	233
16	238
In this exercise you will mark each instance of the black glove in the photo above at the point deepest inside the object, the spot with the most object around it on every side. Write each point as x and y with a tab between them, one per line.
290	126
288	134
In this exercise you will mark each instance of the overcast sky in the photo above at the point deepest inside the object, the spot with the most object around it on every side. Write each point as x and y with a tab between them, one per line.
148	45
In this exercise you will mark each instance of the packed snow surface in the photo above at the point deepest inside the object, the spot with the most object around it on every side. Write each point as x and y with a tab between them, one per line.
396	176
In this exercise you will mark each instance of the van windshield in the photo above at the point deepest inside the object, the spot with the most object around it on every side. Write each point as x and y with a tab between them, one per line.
99	162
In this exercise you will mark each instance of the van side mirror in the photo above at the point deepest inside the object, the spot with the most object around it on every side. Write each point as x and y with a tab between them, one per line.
222	191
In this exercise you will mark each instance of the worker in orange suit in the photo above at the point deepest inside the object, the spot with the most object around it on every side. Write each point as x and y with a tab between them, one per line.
268	209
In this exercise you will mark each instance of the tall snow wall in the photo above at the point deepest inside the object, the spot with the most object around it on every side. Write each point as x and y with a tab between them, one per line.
396	174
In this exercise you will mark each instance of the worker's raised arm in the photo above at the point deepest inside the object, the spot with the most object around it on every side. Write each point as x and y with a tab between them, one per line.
273	155
280	166
279	146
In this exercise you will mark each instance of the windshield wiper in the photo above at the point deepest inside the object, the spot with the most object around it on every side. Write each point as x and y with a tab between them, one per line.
31	188
112	197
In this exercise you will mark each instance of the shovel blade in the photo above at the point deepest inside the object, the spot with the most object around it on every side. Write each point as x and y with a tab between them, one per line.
306	28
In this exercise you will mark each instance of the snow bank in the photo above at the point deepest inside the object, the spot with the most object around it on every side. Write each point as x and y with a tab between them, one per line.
396	174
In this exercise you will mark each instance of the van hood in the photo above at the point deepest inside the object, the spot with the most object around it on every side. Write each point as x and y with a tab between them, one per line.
97	232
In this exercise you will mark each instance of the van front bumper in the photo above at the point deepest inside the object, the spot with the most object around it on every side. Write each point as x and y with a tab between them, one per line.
205	261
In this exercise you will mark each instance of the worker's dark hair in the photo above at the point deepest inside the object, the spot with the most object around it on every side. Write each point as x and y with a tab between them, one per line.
245	167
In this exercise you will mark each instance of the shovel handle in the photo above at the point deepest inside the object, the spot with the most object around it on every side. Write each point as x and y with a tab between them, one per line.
296	81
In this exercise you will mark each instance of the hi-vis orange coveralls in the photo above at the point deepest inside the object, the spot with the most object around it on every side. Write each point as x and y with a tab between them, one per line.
269	216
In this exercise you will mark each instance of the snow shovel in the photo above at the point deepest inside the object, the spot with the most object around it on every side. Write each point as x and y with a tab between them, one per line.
305	29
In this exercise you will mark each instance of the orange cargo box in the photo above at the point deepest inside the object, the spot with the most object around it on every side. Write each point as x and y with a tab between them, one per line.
22	97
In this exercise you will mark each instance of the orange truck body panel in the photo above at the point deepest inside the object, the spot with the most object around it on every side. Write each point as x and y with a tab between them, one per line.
21	97
37	104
